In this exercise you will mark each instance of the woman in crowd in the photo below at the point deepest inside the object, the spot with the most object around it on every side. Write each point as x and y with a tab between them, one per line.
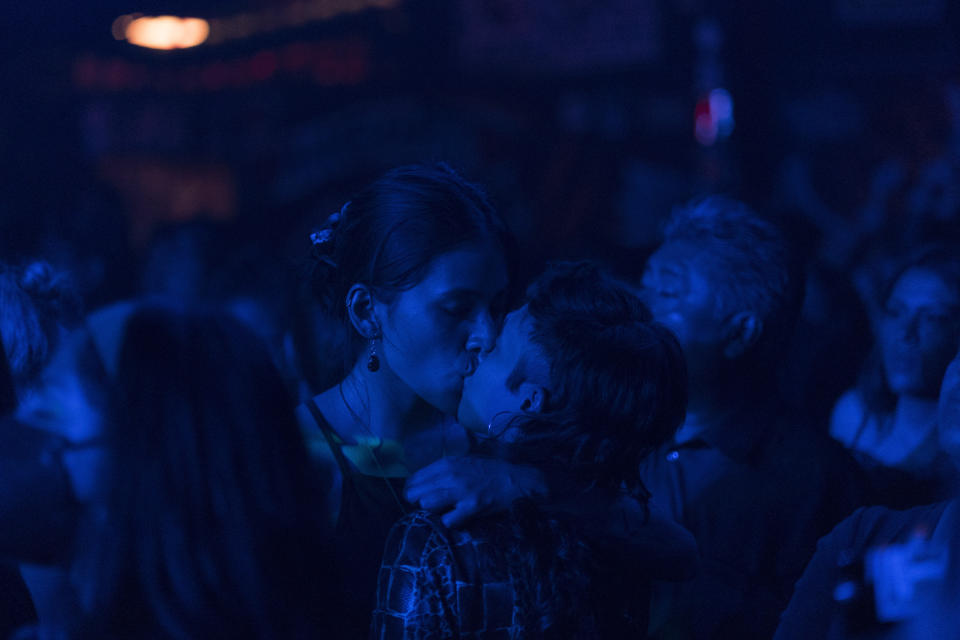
581	380
416	266
889	420
883	573
200	506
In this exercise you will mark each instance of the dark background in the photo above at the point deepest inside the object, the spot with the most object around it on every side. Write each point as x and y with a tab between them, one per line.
578	116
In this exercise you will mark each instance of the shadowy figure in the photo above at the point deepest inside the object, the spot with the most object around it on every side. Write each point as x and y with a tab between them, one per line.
754	485
909	590
202	514
38	304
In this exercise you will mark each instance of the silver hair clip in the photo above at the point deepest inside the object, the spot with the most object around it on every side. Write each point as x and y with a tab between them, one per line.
323	236
336	216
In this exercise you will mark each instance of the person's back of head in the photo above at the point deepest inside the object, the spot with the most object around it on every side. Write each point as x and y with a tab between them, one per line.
212	513
182	259
37	305
617	381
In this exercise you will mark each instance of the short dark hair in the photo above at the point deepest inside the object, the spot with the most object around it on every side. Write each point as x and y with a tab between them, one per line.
618	380
755	266
387	236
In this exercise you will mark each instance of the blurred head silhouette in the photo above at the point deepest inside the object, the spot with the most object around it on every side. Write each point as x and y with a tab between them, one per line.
204	515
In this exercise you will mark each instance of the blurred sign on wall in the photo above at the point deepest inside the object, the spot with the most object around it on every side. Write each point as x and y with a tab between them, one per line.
570	36
890	12
158	192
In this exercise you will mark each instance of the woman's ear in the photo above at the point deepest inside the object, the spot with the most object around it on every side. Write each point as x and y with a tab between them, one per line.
360	309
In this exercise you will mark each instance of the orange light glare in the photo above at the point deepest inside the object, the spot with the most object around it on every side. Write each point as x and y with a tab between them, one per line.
167	32
119	27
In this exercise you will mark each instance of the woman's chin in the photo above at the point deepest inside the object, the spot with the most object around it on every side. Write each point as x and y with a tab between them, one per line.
446	403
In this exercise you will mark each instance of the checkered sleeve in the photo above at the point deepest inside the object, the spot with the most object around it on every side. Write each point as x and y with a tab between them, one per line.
416	591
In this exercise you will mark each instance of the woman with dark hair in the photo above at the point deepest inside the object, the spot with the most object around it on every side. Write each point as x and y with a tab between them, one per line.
202	510
581	381
889	420
885	573
416	267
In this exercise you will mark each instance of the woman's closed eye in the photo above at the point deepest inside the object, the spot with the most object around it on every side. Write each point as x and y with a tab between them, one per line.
457	309
457	304
893	310
935	317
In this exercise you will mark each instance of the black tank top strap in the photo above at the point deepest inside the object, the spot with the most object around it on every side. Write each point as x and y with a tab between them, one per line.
369	507
335	447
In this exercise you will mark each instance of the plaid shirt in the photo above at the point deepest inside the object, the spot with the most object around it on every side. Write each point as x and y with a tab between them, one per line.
436	583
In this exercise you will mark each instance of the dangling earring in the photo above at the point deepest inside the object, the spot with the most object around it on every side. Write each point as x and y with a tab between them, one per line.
494	419
373	360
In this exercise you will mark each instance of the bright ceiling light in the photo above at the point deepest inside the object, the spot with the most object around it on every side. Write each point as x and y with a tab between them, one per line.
165	32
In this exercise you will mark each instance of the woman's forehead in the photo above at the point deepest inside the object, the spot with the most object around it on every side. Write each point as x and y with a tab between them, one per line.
476	267
924	286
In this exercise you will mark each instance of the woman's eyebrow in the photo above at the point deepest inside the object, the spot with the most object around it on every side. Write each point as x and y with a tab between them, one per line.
460	292
672	270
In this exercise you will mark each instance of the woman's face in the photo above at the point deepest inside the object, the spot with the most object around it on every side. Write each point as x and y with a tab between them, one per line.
434	333
919	331
71	405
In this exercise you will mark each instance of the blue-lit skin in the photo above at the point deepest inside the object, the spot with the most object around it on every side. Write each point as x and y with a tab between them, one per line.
488	400
433	333
66	404
463	487
70	405
429	338
680	289
918	332
678	293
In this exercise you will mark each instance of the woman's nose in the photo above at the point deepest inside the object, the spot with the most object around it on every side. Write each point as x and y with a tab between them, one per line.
483	335
910	330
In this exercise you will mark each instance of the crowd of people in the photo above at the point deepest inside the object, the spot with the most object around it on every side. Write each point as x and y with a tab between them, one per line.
416	443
